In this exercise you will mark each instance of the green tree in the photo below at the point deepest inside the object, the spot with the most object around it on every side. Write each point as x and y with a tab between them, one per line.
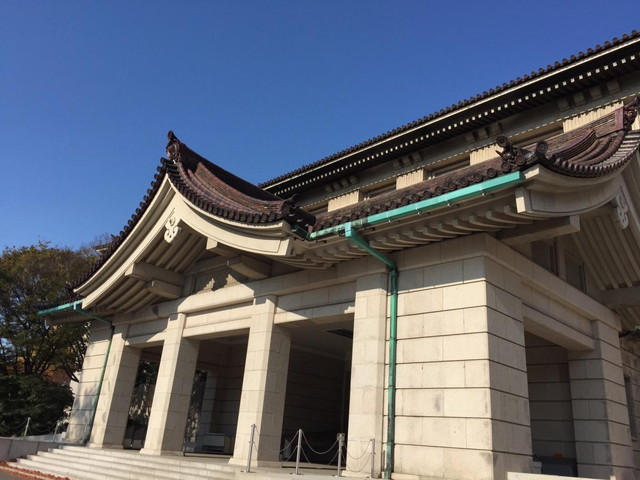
31	350
30	278
25	397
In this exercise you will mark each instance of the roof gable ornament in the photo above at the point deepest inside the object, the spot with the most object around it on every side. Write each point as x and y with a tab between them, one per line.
172	228
620	210
173	147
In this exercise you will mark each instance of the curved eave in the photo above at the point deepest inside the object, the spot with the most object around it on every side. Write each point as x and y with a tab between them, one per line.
150	263
222	194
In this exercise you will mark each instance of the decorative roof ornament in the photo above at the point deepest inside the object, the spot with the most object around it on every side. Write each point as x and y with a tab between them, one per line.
514	156
630	113
173	147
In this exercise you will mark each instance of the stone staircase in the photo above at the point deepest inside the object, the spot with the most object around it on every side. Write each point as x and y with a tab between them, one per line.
83	463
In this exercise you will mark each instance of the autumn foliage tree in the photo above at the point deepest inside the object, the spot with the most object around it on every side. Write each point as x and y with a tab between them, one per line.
31	350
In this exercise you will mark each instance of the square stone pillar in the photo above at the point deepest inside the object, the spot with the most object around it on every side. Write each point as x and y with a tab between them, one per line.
115	397
462	401
168	418
85	394
366	405
263	387
598	398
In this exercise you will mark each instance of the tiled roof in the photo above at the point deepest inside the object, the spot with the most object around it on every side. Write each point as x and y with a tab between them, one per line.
211	189
593	150
219	192
461	104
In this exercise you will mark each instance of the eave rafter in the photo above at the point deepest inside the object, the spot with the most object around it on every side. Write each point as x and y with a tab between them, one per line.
150	264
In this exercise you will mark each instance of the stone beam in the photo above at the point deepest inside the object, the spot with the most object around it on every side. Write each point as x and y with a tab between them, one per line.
219	248
158	280
250	267
147	272
621	297
164	289
542	230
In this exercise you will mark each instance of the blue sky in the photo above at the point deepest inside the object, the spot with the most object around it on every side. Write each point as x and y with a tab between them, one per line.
88	90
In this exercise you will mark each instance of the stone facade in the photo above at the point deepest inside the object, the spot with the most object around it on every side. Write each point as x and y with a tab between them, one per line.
517	301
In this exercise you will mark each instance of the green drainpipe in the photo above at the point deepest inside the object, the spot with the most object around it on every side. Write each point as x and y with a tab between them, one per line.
356	239
76	307
348	229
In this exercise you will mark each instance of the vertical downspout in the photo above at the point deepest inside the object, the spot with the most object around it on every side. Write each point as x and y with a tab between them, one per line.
102	371
356	239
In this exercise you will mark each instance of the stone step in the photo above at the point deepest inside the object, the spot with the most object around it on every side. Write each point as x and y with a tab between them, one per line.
102	467
176	463
144	464
73	471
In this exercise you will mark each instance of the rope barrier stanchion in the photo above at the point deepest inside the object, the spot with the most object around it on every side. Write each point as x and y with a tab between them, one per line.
340	445
251	435
373	456
27	427
299	449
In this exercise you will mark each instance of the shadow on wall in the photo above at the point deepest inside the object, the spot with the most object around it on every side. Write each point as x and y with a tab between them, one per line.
12	448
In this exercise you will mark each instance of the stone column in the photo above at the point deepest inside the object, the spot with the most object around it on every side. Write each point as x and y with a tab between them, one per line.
263	387
115	397
86	391
462	402
601	419
366	405
167	421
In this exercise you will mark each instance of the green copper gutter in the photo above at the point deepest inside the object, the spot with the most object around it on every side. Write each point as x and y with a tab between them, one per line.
444	200
349	230
356	239
76	307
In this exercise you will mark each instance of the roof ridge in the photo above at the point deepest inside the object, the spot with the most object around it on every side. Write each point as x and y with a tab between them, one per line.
462	103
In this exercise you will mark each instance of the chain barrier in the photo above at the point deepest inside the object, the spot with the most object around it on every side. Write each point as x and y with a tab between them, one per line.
315	451
252	445
51	428
286	445
341	452
15	430
363	453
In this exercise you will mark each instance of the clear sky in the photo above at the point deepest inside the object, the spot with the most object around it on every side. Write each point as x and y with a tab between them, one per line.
88	90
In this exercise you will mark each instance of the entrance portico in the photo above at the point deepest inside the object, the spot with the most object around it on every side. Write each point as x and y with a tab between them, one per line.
517	270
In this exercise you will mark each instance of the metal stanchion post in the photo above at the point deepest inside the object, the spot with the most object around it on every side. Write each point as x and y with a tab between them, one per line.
373	456
253	429
299	449
27	426
340	444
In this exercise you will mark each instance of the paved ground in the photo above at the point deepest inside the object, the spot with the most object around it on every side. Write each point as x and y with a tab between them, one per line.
6	476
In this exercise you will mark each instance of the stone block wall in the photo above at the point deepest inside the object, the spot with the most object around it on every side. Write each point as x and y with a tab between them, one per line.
631	368
549	399
462	408
86	391
226	405
315	394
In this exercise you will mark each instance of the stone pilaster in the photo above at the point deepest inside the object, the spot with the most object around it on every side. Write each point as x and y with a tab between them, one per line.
172	396
87	389
462	409
366	405
263	387
115	397
601	420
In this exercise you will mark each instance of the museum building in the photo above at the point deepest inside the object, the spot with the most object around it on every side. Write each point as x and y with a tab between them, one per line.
459	296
